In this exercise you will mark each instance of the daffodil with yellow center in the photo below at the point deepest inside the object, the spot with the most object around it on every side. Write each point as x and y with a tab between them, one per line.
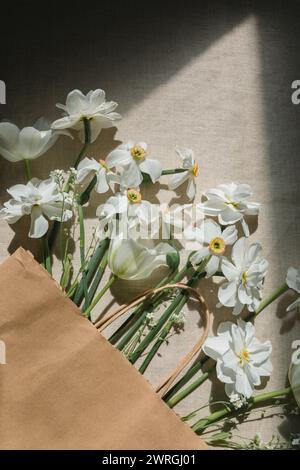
217	246
134	196
188	172
133	158
138	152
213	242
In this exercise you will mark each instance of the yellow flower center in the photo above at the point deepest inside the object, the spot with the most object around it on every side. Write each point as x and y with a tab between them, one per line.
232	203
217	246
137	152
244	356
195	169
134	196
244	278
103	164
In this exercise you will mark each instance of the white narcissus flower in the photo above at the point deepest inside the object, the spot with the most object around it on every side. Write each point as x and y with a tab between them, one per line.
105	176
41	200
229	202
133	159
214	243
293	281
294	378
178	217
130	206
133	260
191	172
25	144
241	358
245	277
92	107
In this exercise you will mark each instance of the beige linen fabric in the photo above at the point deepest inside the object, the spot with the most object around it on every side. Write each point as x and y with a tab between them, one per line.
213	78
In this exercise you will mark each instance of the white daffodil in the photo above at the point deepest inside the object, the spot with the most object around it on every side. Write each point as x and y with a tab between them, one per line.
166	217
293	281
214	243
25	144
133	159
245	277
41	200
92	107
229	203
105	176
294	379
129	205
191	172
241	358
133	260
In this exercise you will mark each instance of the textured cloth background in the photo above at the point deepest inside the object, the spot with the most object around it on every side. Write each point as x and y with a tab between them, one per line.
213	77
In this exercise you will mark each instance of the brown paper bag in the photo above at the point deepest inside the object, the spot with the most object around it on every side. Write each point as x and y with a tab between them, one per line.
63	385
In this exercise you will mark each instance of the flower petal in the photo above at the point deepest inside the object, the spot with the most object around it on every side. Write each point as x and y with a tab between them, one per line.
39	224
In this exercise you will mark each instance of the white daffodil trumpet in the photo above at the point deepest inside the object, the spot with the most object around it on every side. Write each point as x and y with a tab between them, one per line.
229	203
92	107
132	157
133	260
105	176
214	242
293	281
42	200
294	377
244	276
28	143
241	358
191	168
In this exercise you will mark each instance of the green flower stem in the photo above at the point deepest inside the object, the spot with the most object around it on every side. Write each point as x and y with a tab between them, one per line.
97	279
88	311
273	296
82	249
134	321
85	195
160	340
165	316
27	169
91	268
203	423
137	317
188	390
46	257
199	364
87	140
173	171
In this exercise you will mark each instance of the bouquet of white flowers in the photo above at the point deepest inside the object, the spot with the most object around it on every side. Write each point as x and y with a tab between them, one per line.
134	236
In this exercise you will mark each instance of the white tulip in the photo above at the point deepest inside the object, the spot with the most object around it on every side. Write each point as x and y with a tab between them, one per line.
41	200
191	166
133	159
92	107
25	144
105	177
245	277
133	260
293	281
241	358
229	203
214	243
